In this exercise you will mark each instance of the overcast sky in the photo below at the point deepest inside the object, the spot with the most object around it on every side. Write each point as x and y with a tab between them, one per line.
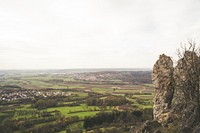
63	34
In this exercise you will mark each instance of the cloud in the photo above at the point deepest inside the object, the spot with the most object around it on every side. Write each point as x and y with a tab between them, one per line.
93	33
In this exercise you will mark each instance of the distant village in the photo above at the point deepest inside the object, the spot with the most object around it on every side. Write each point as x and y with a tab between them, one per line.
6	96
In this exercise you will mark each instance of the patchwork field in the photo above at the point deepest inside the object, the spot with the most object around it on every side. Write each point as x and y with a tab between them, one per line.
66	103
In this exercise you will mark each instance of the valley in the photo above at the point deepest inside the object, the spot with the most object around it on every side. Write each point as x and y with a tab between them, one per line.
74	102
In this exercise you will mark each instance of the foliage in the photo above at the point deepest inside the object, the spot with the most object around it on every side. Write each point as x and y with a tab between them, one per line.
108	101
113	117
43	104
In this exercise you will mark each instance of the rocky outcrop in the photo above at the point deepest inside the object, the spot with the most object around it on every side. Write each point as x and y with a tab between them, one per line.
177	91
186	96
164	88
176	101
149	127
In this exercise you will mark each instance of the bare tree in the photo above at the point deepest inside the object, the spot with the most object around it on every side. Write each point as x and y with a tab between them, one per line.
187	79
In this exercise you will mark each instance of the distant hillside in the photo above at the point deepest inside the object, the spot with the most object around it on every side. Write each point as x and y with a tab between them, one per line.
133	77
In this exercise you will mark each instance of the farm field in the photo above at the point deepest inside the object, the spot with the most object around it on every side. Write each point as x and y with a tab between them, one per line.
65	103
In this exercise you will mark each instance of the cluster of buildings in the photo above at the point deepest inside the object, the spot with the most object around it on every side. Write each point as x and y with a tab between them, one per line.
8	95
95	76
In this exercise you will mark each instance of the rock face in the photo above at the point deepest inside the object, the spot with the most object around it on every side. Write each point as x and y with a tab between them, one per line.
177	91
176	101
149	127
186	96
164	84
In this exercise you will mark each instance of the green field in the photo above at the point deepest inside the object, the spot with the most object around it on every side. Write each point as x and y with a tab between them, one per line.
74	111
72	108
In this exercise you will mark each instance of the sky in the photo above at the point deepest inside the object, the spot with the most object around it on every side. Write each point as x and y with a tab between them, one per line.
65	34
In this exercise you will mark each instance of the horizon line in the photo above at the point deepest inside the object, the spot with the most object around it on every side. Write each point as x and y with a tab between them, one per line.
147	68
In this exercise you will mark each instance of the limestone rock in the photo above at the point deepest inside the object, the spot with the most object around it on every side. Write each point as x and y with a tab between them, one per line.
176	101
149	127
186	97
163	81
197	129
